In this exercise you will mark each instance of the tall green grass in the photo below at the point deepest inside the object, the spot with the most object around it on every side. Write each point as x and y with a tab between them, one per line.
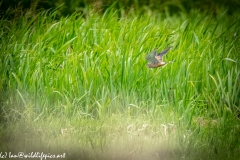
88	70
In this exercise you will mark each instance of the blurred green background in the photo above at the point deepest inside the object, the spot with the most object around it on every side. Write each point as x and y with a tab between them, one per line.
172	6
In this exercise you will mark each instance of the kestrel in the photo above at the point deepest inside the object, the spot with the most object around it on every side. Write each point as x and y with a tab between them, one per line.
155	59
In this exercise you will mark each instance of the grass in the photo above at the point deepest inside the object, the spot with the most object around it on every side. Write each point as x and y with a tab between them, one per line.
79	85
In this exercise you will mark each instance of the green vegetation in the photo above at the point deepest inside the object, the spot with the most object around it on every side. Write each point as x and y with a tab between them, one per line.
79	85
140	6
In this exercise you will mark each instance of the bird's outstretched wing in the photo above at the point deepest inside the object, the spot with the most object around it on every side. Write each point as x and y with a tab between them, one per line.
164	51
161	54
151	57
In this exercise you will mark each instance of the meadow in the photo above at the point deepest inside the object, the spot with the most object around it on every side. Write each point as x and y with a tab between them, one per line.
79	85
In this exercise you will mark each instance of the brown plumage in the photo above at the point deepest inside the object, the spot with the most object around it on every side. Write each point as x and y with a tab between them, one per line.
155	59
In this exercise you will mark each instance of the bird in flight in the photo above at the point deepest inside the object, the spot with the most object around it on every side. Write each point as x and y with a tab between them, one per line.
155	59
